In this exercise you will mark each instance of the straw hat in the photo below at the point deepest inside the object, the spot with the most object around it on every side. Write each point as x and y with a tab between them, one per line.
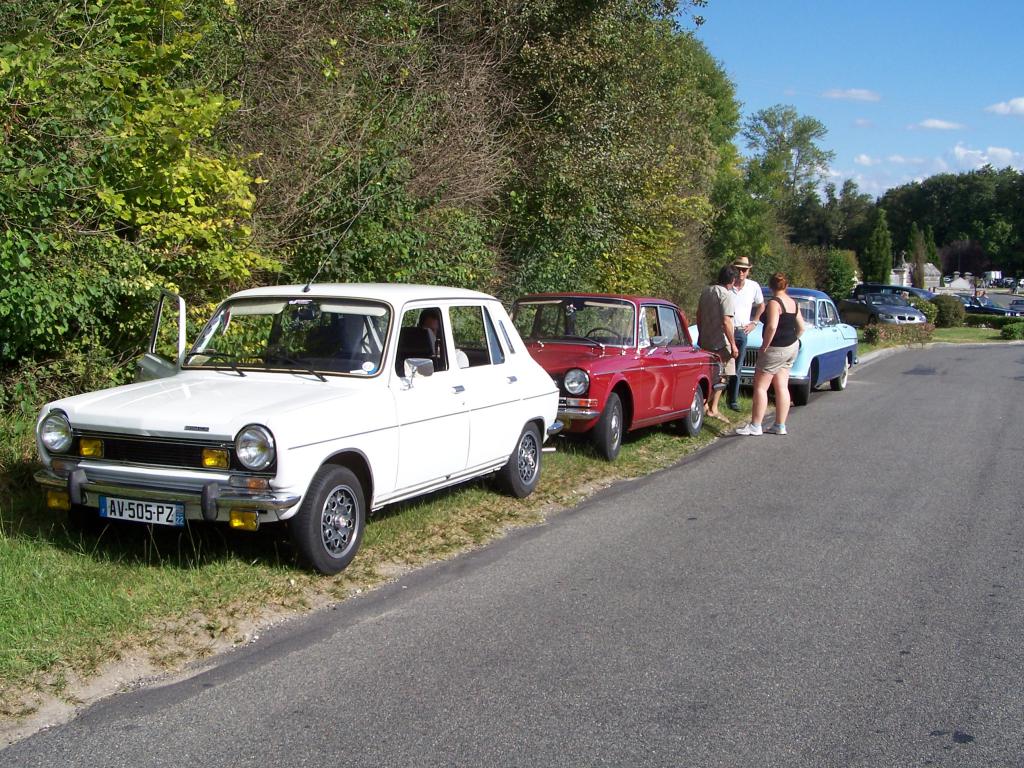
742	262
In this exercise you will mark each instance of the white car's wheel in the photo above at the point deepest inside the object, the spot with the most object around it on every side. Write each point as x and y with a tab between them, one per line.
328	528
521	473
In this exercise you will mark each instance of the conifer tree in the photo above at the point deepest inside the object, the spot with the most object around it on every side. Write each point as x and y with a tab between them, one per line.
918	254
877	261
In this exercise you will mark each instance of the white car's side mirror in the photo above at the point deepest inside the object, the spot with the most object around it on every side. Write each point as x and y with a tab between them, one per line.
418	366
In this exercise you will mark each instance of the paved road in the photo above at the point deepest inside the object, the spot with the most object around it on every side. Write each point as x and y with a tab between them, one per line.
849	595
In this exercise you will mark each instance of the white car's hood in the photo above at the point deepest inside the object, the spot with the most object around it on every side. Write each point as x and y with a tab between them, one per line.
202	404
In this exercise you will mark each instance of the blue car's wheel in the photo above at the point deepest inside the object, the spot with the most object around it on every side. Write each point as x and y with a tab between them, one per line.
838	384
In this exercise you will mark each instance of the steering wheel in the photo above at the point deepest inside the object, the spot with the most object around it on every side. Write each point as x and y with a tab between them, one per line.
611	334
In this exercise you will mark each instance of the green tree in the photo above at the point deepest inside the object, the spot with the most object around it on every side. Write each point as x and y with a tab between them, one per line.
787	161
840	273
877	259
628	117
918	254
930	248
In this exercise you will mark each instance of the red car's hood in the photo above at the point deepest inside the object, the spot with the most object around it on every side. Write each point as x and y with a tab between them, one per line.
557	357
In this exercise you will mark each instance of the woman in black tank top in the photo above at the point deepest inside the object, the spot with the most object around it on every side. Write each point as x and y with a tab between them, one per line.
783	325
785	328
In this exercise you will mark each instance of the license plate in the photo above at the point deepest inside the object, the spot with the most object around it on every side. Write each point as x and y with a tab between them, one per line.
156	512
746	379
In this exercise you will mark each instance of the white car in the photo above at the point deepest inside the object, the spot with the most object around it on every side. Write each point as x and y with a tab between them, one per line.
309	404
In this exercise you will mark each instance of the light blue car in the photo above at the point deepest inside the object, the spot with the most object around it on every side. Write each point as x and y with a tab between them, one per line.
828	347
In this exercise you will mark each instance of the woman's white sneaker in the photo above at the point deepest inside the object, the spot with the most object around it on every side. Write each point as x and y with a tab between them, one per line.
749	429
776	429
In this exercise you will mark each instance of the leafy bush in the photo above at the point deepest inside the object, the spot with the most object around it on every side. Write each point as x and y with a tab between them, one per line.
930	310
889	335
1013	331
110	180
951	312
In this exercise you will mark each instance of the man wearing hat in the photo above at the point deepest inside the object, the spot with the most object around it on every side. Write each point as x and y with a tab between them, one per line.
748	304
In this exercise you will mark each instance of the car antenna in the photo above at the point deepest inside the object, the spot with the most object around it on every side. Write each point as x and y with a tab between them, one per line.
323	261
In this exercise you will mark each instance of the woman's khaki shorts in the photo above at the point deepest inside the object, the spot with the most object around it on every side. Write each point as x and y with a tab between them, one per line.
775	359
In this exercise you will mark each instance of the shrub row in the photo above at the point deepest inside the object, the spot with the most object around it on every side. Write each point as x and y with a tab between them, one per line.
991	321
898	334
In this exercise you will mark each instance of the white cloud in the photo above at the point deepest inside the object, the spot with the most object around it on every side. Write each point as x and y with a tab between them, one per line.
998	157
904	160
863	122
1011	107
1001	156
863	159
852	94
934	124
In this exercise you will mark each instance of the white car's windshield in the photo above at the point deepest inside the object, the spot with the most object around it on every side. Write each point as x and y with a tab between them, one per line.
338	336
577	319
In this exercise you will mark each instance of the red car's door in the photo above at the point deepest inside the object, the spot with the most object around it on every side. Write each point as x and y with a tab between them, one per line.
687	364
666	364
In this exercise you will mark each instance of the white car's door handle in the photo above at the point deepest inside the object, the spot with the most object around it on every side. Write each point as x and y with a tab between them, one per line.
458	388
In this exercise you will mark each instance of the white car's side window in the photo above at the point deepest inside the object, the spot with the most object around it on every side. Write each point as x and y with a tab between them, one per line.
422	334
476	342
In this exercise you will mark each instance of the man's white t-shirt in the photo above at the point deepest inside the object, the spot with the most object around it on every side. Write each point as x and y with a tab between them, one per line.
744	300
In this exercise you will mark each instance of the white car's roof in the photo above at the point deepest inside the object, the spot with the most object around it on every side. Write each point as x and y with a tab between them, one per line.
395	294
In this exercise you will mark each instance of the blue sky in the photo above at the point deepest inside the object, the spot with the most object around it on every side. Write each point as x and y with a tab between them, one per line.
906	89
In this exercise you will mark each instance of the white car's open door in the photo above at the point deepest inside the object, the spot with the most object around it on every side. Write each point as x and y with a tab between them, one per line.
166	350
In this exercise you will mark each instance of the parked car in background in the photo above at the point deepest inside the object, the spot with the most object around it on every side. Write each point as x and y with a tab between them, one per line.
983	305
906	291
1017	305
308	404
828	347
620	363
869	308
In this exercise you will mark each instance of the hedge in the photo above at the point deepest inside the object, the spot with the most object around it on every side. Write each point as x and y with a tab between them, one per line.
880	333
991	321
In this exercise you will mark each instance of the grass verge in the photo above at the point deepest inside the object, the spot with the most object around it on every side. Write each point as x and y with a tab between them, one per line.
966	335
73	602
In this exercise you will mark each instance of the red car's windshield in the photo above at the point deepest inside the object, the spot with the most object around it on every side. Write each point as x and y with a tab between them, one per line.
574	319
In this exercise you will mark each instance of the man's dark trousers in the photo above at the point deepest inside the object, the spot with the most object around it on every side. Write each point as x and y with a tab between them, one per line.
734	381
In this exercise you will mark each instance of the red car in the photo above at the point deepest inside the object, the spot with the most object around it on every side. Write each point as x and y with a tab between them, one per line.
620	362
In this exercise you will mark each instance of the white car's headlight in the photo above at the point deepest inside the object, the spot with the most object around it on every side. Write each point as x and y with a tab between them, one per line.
576	381
254	447
55	432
